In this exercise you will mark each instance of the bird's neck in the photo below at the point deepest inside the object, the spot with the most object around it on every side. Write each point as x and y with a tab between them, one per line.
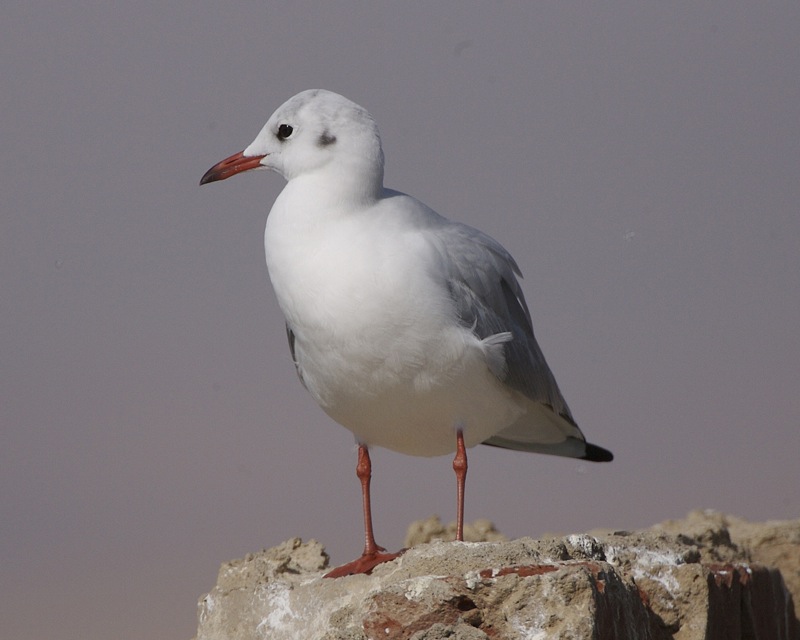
310	203
352	180
341	185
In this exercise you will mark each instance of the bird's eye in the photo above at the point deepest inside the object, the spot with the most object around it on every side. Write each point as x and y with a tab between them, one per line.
284	131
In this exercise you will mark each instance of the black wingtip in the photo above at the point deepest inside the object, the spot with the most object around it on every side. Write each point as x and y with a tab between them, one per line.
597	454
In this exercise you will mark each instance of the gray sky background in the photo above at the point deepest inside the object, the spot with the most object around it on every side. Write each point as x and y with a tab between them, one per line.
640	160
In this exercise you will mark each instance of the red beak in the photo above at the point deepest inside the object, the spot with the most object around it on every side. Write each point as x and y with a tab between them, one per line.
237	163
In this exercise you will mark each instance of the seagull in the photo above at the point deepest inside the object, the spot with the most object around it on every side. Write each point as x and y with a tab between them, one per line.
409	329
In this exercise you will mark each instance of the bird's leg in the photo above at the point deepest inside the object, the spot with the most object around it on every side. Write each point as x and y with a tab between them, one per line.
460	467
364	473
372	555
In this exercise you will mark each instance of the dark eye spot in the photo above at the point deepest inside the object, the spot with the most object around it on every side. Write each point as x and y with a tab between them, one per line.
284	131
327	138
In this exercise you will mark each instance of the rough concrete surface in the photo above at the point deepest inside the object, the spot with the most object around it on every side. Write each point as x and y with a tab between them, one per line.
706	577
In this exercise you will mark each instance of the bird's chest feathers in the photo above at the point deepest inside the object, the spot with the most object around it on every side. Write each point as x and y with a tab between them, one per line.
326	277
359	302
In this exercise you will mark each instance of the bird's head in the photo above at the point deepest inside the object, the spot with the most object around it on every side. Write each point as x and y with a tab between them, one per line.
316	131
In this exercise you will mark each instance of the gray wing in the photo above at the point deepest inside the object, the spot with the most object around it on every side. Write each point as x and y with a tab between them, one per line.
482	280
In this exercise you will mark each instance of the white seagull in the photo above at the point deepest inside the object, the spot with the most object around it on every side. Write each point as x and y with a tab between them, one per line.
408	329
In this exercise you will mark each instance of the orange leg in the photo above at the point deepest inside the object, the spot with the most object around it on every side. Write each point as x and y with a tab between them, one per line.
460	467
364	473
372	556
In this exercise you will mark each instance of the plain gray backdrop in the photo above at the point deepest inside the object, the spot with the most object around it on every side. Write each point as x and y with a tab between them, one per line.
641	160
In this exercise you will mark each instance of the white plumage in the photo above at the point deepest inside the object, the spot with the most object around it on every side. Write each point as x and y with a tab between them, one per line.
405	327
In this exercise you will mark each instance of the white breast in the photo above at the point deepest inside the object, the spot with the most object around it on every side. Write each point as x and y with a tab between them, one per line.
376	339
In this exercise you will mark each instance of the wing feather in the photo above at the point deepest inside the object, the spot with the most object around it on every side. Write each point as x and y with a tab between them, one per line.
482	281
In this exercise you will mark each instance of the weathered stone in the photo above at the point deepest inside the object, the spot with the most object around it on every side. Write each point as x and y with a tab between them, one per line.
696	579
432	529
